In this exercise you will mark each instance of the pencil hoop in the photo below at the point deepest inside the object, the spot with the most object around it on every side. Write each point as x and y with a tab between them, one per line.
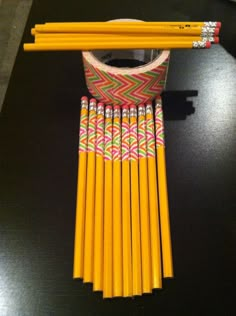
120	77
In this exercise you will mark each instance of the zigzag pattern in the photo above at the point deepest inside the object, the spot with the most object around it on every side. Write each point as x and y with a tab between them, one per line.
125	139
150	136
92	131
133	139
83	131
116	150
108	139
142	145
100	135
160	139
128	89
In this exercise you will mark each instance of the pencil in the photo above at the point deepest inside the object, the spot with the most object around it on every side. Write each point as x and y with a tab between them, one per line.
144	203
90	195
78	38
163	195
153	200
116	45
99	197
126	216
107	265
81	192
125	28
135	216
117	210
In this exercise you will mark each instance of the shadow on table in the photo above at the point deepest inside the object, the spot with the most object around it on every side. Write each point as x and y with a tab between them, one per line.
176	105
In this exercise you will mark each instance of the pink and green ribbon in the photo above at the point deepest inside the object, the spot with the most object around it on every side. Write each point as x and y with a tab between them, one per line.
92	131
150	134
142	145
116	139
160	139
108	139
125	139
100	135
133	141
83	130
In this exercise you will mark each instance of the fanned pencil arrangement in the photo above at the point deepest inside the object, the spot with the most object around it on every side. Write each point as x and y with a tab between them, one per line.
122	240
123	35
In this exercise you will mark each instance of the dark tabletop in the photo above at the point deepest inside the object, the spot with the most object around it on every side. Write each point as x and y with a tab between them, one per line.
38	170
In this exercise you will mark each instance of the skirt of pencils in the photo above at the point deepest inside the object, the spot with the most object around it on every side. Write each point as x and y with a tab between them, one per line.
122	233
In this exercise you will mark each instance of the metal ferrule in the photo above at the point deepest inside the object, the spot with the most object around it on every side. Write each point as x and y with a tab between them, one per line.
84	104
133	113
208	39
116	113
125	113
141	111
149	109
108	113
92	106
158	104
199	44
206	29
210	24
100	110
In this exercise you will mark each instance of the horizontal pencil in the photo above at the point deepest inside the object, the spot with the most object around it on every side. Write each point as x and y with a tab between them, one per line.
115	45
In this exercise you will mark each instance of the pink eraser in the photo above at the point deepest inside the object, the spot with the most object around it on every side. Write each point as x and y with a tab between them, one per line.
125	107
216	40
217	31
101	104
116	107
109	107
132	106
84	99
218	24
208	44
93	100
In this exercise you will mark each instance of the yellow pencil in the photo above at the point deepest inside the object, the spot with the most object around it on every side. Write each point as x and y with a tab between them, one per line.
153	200
139	28
126	216
151	23
144	203
116	45
107	265
81	192
78	38
117	210
99	197
163	195
135	216
90	195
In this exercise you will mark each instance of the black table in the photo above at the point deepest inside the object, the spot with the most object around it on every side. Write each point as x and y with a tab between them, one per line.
38	171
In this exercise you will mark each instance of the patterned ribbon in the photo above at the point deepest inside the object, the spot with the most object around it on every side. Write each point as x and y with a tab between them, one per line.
83	130
142	145
150	136
133	139
160	139
100	135
125	138
92	131
116	139
108	139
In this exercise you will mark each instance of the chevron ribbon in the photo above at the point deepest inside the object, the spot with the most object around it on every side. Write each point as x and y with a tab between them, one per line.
125	139
83	131
142	145
92	131
100	135
160	137
108	139
150	134
129	89
133	139
116	131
